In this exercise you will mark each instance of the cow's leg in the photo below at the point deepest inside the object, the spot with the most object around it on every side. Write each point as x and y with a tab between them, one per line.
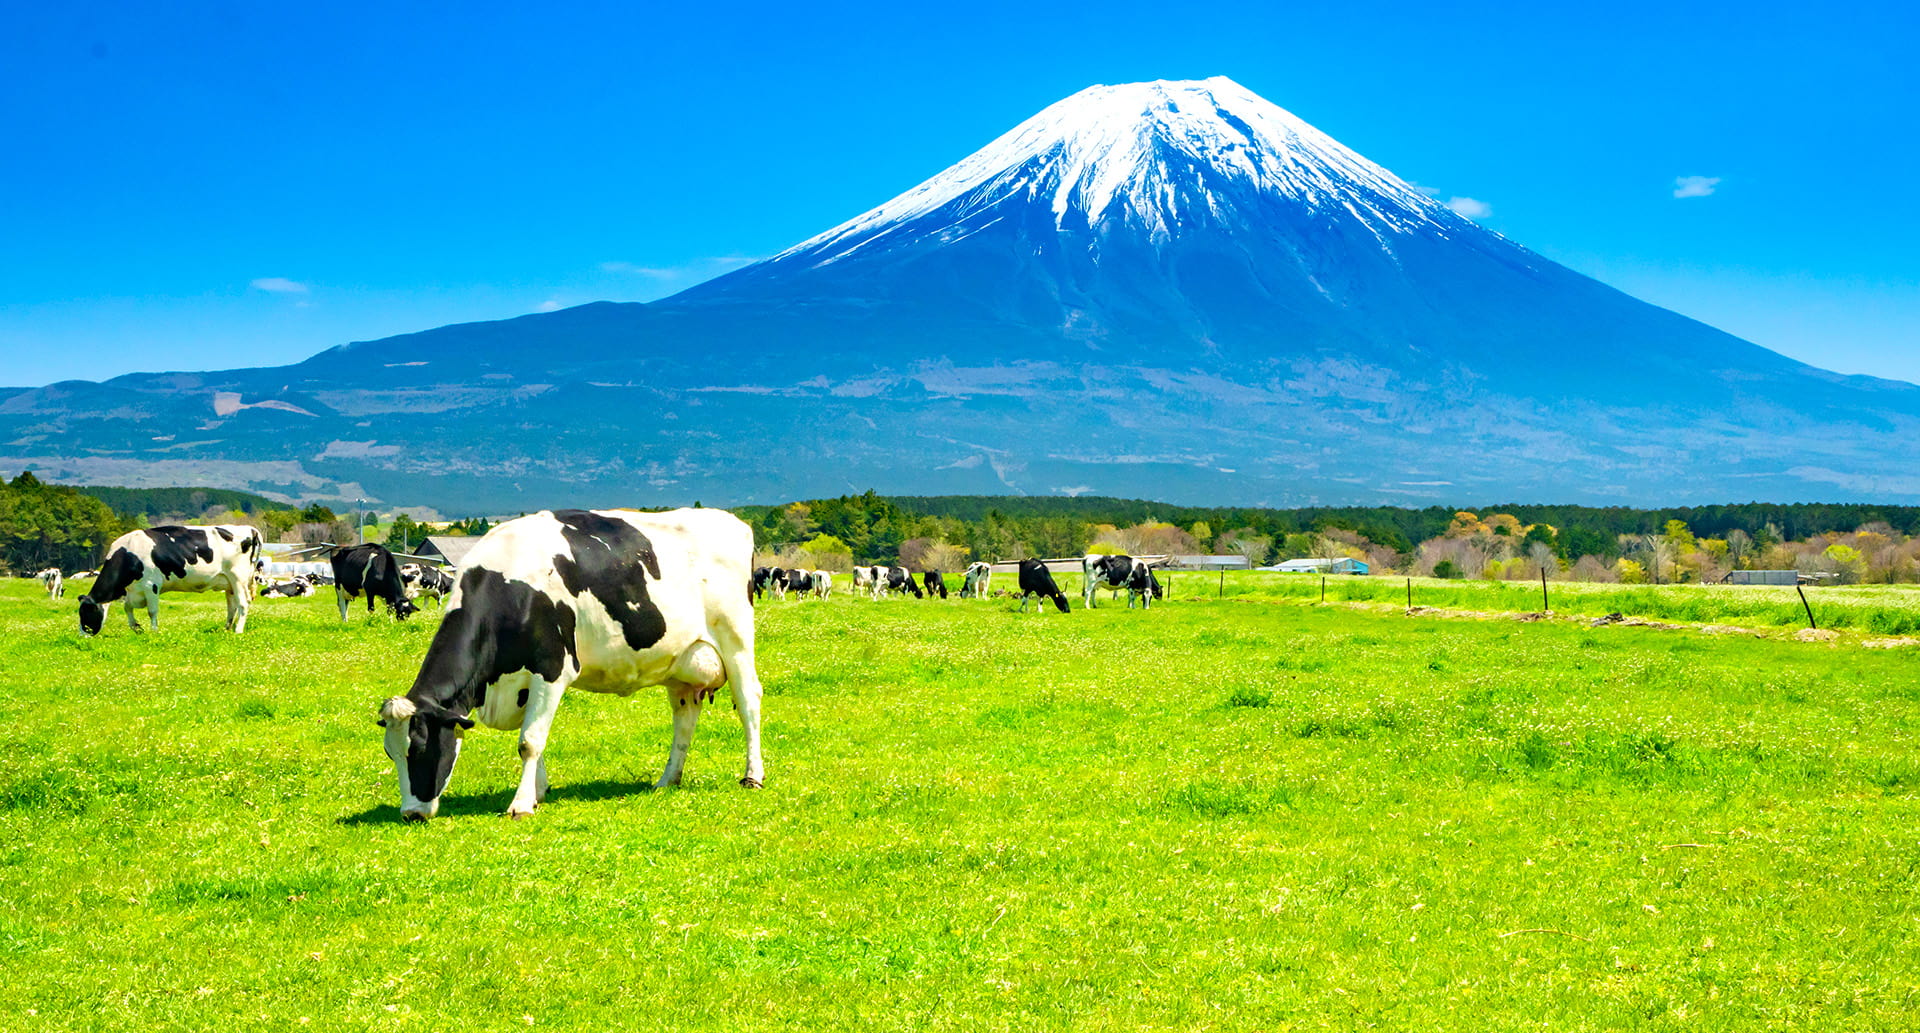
340	596
736	657
233	606
126	605
685	701
153	610
543	701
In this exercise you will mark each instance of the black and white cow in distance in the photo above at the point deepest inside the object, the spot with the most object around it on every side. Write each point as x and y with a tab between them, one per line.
760	582
800	582
425	579
863	579
51	580
822	584
298	587
1118	571
936	584
899	579
1037	580
978	579
142	564
369	570
606	601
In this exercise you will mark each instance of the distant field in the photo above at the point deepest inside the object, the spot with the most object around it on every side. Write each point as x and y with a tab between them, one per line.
1217	815
1867	609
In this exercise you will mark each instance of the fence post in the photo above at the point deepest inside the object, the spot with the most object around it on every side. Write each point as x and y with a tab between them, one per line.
1409	593
1223	584
1808	605
1323	588
1544	608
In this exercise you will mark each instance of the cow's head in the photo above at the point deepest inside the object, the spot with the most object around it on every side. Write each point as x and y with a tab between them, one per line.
423	741
92	615
403	608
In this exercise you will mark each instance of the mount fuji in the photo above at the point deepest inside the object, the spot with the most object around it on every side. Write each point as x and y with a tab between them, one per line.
1173	290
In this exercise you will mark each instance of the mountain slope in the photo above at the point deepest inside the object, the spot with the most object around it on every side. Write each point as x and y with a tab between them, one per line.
1172	289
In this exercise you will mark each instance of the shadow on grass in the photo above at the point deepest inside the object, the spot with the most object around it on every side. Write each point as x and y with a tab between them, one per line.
455	805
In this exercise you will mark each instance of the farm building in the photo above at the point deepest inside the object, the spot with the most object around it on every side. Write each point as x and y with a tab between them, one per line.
446	548
1343	565
1763	577
1234	562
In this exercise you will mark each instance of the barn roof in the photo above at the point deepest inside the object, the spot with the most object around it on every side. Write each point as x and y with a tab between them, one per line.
451	547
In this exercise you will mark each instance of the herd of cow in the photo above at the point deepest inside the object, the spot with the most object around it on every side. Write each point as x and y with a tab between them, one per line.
602	600
1115	572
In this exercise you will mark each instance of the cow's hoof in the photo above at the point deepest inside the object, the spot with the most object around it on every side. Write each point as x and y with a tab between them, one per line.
516	814
750	783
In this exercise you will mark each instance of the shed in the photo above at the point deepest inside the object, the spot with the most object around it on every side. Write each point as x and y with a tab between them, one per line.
446	548
1343	565
1232	562
1763	577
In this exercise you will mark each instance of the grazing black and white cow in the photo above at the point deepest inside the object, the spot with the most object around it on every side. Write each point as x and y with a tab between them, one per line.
758	584
51	580
369	570
142	564
425	579
863	579
1119	571
822	584
898	579
800	582
1037	580
979	578
936	584
777	582
606	601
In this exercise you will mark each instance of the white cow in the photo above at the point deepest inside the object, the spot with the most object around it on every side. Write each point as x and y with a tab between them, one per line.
863	579
978	579
602	600
51	581
142	564
823	584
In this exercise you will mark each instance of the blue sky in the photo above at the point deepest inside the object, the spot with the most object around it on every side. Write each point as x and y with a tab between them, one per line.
190	186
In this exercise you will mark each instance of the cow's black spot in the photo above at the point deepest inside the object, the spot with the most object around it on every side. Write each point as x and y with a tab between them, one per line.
501	626
524	693
175	547
611	560
119	573
224	533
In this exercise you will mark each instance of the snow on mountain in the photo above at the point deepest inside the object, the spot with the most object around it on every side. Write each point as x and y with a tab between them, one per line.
1166	157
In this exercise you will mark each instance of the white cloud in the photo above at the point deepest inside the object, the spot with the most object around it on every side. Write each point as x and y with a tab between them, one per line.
699	267
278	285
549	305
1694	186
1469	207
654	271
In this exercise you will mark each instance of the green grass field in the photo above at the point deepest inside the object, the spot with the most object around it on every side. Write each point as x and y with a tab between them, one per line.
1243	814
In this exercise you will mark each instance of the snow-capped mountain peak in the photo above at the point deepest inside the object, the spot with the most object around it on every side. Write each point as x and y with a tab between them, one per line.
1163	156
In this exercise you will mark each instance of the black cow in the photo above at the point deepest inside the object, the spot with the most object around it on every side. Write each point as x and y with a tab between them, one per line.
759	582
1036	579
369	570
936	585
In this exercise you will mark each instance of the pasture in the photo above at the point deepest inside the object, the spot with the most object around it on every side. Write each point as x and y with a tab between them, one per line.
1253	813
